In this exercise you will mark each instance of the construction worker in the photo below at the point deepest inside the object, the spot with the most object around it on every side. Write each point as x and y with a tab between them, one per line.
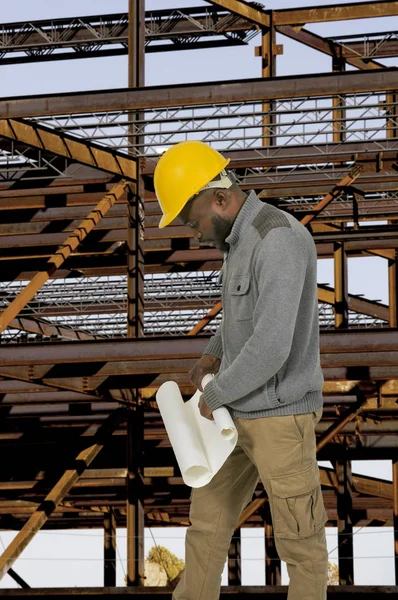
265	358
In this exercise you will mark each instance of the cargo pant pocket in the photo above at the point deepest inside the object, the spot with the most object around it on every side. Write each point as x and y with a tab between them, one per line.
297	504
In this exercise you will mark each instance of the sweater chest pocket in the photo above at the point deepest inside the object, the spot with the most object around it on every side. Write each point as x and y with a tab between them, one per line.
239	289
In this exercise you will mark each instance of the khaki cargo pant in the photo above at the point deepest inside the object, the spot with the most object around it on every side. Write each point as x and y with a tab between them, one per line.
281	450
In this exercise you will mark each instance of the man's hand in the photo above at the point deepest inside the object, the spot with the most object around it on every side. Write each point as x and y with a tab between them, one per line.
207	364
205	411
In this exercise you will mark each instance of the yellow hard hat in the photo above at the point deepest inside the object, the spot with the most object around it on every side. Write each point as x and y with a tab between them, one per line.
183	171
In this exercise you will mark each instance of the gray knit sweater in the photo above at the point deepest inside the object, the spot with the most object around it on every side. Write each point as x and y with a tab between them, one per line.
268	340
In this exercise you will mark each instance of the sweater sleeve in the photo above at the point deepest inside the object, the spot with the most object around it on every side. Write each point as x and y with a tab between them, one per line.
280	266
214	347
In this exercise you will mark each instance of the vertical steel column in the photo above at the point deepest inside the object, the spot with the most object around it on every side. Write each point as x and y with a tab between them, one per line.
267	53
393	288
135	504
339	113
340	258
234	560
340	286
135	232
272	560
392	133
392	115
110	549
395	515
344	522
135	309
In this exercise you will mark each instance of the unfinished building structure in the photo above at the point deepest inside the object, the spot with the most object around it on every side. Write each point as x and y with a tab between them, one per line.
100	306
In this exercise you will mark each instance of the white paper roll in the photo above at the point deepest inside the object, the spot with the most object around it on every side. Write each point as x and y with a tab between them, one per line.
221	416
201	446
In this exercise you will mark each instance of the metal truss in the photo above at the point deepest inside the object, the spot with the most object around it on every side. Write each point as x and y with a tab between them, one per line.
368	45
107	35
239	125
18	161
369	206
174	303
309	123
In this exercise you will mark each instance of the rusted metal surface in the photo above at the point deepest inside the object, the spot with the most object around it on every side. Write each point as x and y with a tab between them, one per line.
107	35
69	246
57	494
340	305
206	319
245	90
359	10
348	180
317	42
345	522
109	548
252	13
65	391
61	144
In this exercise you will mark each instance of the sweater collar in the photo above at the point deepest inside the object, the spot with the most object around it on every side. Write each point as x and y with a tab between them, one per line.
249	210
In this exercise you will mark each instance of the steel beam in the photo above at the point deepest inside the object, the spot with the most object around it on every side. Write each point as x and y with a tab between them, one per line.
395	515
69	246
135	311
110	548
340	286
63	144
251	13
217	308
393	289
336	347
135	497
57	494
342	12
234	559
326	295
374	45
338	425
344	522
46	329
335	193
107	35
334	49
246	90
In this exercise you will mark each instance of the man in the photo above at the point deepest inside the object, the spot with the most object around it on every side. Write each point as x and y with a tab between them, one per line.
265	358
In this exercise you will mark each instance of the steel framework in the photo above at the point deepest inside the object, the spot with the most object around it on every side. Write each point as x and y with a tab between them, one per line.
87	337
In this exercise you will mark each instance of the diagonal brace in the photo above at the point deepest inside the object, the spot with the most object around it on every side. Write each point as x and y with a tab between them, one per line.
63	252
62	144
57	494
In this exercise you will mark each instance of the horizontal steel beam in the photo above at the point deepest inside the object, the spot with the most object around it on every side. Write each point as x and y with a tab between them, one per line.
341	12
333	344
246	90
243	9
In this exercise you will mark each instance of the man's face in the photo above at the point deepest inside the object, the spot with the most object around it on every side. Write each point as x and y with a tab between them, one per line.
207	219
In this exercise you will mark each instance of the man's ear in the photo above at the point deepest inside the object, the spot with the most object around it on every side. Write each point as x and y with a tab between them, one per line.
220	198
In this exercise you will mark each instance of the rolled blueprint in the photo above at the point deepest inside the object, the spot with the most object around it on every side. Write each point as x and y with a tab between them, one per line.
221	415
201	446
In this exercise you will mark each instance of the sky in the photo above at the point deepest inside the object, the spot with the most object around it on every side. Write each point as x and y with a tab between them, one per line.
74	558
